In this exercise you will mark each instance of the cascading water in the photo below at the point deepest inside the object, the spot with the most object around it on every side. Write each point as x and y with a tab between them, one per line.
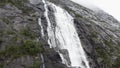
65	36
68	38
49	28
39	22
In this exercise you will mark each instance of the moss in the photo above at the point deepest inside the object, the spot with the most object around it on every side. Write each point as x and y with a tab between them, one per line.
20	4
28	47
73	12
117	63
78	16
31	47
6	20
14	2
110	44
105	56
1	65
9	32
1	34
93	34
36	64
26	32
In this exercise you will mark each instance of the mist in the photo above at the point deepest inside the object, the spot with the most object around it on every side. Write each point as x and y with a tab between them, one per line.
109	6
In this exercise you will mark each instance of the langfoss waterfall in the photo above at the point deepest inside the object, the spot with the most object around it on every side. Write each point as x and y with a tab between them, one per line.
64	37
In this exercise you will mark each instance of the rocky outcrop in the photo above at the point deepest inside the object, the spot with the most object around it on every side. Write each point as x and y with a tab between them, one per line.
21	43
98	32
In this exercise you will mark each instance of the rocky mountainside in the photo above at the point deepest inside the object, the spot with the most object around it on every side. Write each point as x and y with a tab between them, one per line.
23	46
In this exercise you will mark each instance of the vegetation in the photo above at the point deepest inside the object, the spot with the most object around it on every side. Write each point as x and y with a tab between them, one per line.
93	34
1	33
31	47
73	12
20	4
1	40
36	64
15	43
6	20
9	32
103	54
28	47
117	63
1	66
110	43
26	32
15	2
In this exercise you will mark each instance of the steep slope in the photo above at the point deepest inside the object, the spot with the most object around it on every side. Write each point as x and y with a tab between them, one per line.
99	33
24	35
21	42
18	29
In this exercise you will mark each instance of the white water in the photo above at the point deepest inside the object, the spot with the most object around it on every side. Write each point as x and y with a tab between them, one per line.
43	60
49	28
39	22
67	37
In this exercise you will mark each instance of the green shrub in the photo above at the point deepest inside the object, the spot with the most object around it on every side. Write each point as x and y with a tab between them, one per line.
6	20
32	47
26	32
10	32
28	47
1	65
36	64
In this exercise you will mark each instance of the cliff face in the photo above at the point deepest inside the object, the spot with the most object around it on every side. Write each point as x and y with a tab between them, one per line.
21	44
19	27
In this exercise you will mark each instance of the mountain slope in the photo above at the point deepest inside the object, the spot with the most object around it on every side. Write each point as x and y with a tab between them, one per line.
99	34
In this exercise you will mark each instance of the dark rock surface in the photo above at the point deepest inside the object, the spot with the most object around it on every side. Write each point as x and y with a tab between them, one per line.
18	24
98	31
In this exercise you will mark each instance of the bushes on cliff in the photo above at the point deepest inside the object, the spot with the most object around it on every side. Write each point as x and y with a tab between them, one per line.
29	47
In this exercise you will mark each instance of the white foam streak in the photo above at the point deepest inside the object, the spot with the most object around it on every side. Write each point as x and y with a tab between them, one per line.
43	60
68	38
51	39
39	22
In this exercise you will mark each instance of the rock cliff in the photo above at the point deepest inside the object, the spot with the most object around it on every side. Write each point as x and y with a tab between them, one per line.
19	27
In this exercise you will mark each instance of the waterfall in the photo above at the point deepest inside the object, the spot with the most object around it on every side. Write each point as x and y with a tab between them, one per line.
42	61
39	22
68	38
51	39
65	36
